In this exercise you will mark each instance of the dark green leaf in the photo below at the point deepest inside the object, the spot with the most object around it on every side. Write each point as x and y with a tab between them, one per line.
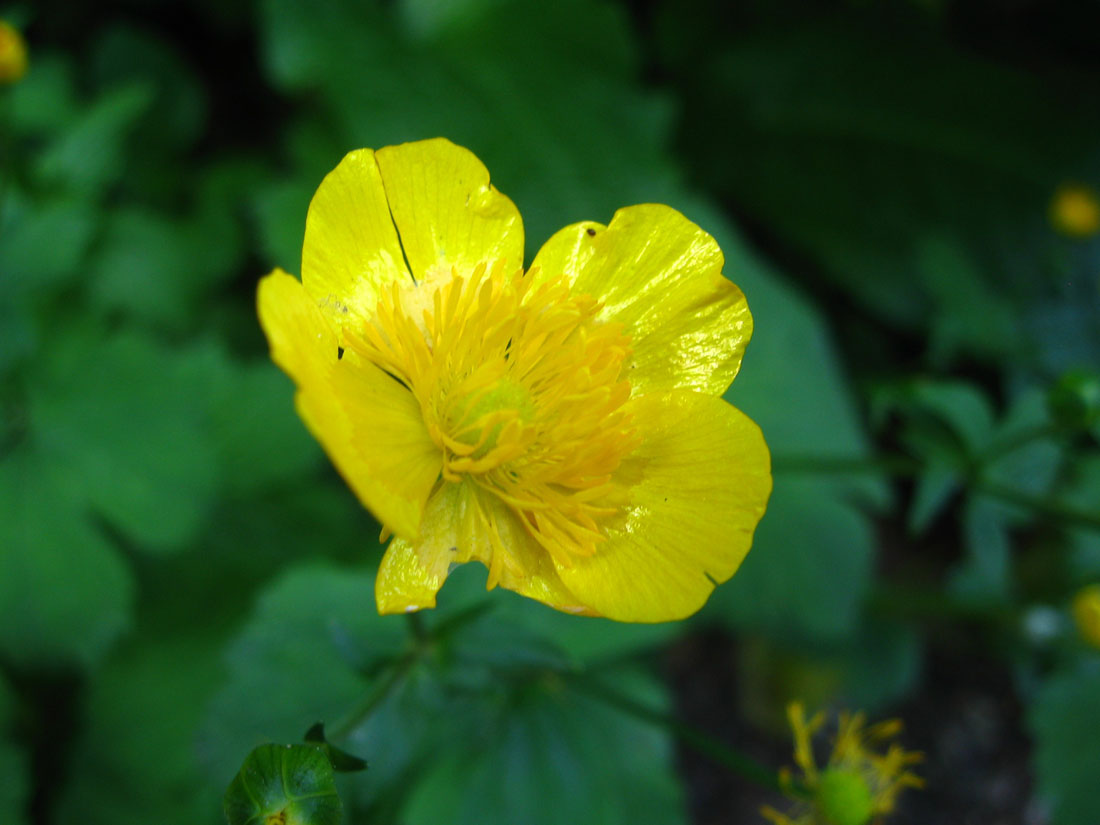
91	153
552	756
65	595
128	419
44	101
134	761
43	244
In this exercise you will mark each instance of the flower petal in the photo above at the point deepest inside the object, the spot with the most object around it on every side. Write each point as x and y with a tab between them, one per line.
369	424
453	531
661	276
445	209
698	485
351	250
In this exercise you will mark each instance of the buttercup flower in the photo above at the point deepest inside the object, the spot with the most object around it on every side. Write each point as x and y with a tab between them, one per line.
858	785
564	425
13	54
1086	613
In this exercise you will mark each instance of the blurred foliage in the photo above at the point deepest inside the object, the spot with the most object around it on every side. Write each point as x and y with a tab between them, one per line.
179	563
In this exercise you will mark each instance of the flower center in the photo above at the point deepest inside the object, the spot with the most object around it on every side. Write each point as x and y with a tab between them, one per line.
521	388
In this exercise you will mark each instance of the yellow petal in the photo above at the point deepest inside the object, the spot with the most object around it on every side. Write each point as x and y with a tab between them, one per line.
351	249
446	211
698	485
369	424
453	531
661	276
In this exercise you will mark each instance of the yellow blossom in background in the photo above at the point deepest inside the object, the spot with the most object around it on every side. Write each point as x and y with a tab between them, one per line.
859	782
562	425
1086	612
13	54
1075	211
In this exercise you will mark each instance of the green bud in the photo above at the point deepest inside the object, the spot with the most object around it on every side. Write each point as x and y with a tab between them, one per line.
843	798
1074	400
284	785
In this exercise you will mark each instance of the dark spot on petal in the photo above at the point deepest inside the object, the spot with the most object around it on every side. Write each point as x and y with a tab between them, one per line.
590	231
339	353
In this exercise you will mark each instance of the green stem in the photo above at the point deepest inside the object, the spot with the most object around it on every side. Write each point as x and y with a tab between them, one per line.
423	640
1040	504
900	466
1015	441
714	749
392	678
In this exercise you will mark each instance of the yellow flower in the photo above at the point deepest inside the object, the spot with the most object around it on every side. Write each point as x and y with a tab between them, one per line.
13	54
858	784
1086	612
564	425
1075	211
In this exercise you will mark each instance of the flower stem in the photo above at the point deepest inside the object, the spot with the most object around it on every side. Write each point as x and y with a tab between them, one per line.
423	639
714	749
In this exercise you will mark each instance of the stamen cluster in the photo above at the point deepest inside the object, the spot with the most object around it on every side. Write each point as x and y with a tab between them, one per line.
521	387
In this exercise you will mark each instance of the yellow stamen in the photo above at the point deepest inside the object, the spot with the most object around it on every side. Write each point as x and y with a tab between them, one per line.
521	388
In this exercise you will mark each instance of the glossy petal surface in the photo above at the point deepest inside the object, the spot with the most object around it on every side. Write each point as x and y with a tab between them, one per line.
446	211
660	275
369	424
351	250
454	531
698	486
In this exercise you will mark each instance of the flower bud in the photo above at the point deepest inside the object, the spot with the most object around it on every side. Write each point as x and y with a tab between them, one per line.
13	54
1075	211
1086	612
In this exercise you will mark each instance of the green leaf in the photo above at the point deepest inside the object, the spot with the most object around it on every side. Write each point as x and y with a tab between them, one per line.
44	100
934	489
1065	720
809	569
552	756
43	244
957	405
576	643
285	784
65	595
259	438
423	710
127	418
146	267
91	153
280	210
312	620
134	761
123	55
985	575
967	314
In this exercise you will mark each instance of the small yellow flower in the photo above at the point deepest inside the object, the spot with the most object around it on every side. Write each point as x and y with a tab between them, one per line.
1086	612
858	784
1075	211
13	54
564	425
